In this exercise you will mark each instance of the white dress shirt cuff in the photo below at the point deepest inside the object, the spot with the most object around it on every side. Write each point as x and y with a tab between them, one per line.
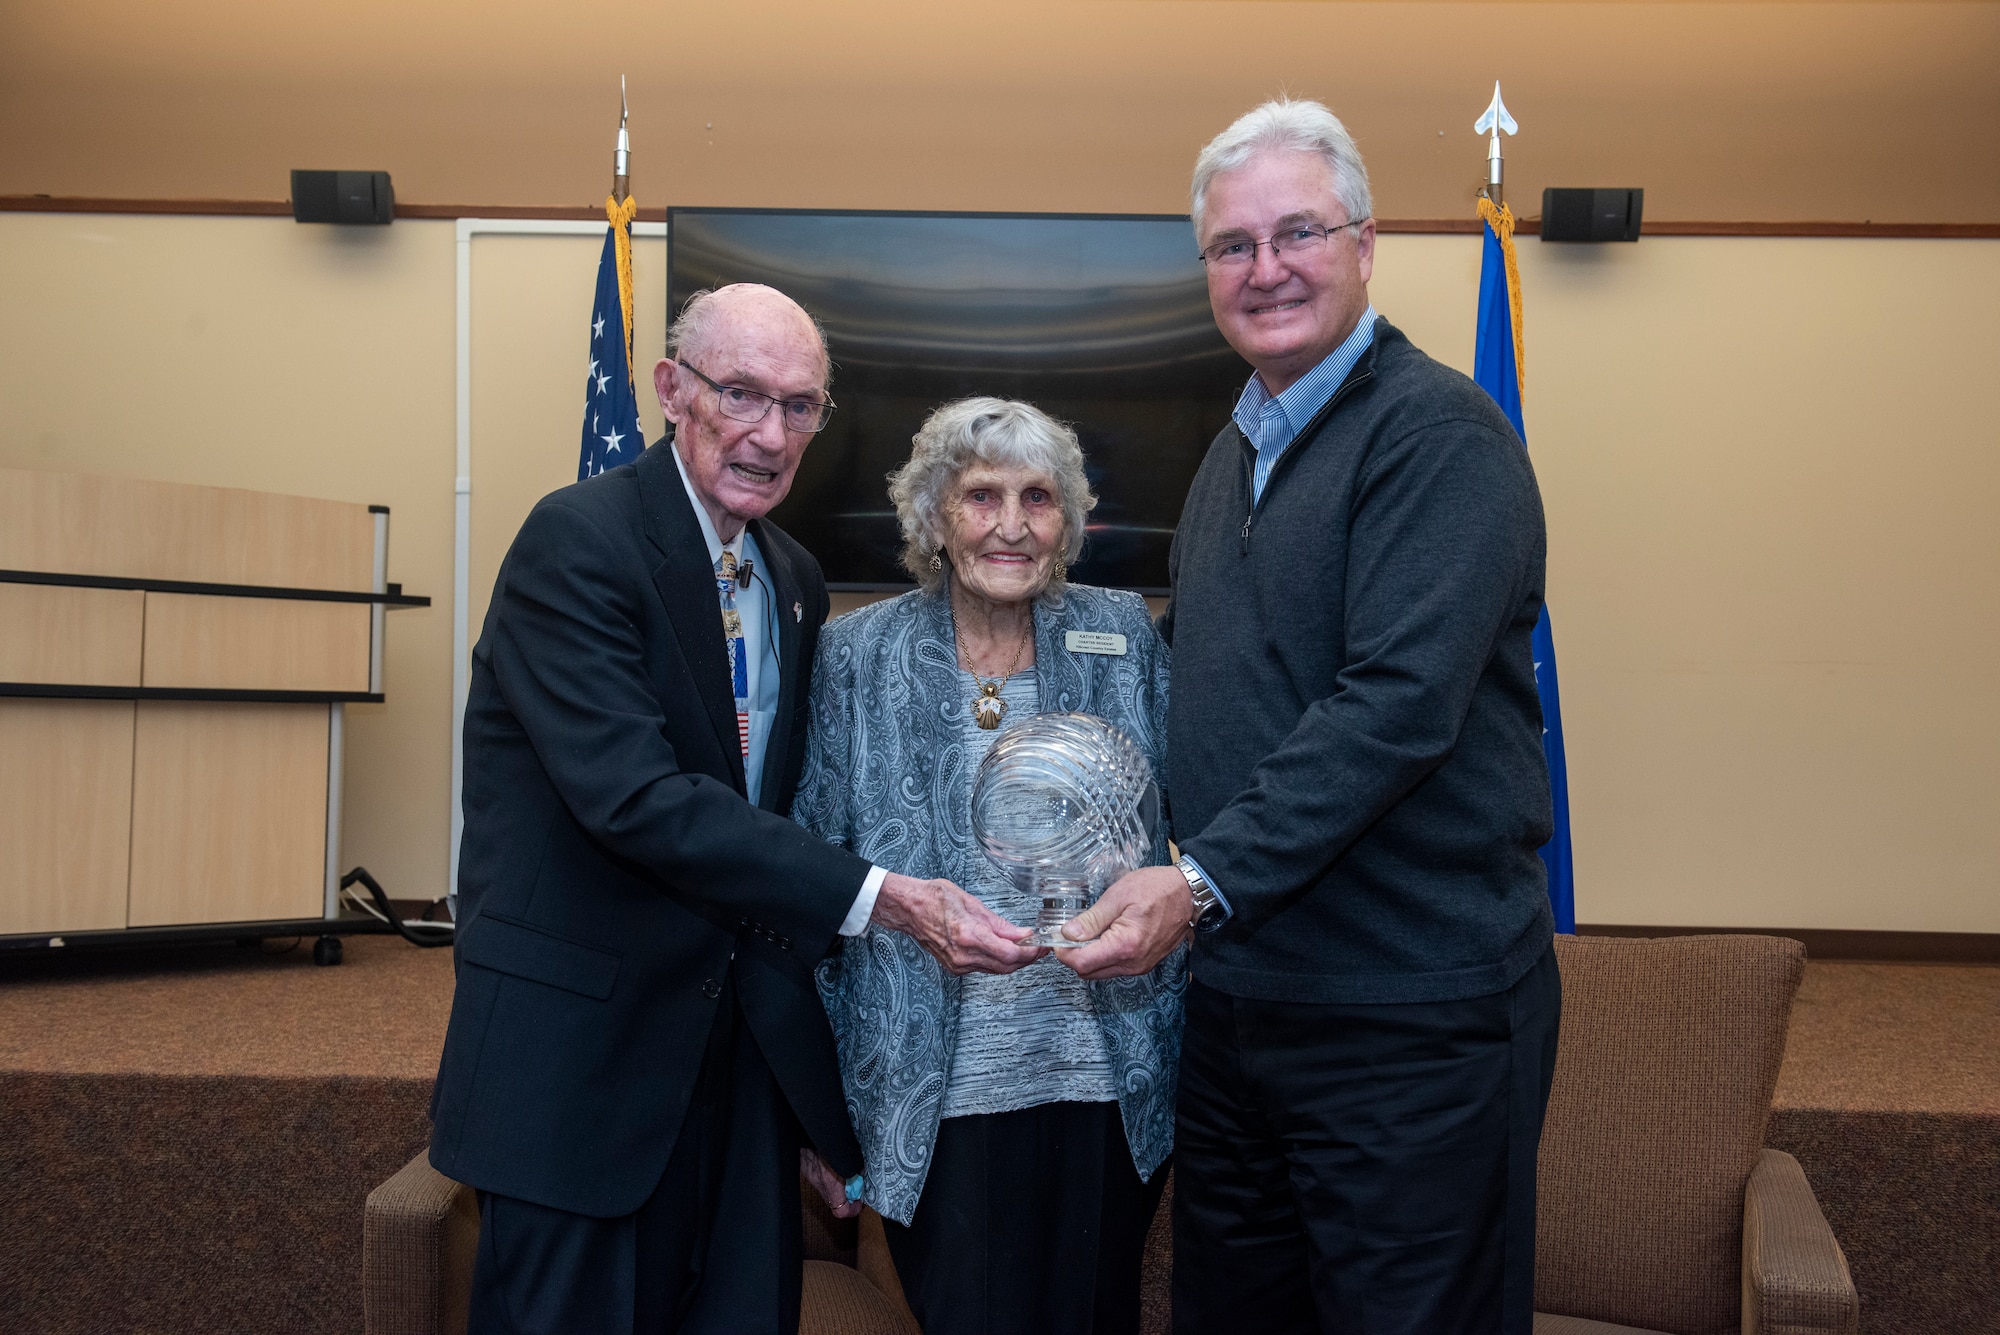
864	903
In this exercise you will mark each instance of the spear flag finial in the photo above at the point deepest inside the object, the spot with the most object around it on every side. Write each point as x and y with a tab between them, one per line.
621	160
1491	122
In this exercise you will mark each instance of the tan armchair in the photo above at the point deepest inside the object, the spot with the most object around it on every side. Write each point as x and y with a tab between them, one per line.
1660	1209
421	1228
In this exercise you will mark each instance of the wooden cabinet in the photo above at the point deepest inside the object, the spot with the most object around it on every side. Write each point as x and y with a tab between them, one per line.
174	661
228	812
65	814
50	634
251	644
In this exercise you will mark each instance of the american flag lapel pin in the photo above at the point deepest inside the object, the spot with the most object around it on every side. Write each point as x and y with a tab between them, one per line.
798	612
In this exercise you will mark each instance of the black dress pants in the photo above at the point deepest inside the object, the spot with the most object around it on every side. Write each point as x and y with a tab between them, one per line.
1361	1170
716	1247
1031	1223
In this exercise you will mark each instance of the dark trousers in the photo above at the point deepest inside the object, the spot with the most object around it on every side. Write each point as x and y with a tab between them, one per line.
1031	1223
1361	1169
715	1248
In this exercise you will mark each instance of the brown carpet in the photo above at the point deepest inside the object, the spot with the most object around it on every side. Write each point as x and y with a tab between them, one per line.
1890	1098
187	1135
227	1010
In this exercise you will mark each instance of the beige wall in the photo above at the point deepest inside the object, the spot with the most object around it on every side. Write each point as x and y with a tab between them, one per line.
1771	471
1769	467
530	298
1856	110
256	353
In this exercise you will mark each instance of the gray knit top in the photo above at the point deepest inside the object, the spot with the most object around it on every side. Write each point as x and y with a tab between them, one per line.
1031	1036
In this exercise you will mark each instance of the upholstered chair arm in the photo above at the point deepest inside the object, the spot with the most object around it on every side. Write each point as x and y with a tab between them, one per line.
843	1300
1795	1279
418	1237
879	1268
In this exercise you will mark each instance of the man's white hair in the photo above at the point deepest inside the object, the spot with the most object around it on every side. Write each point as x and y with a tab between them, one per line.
1299	126
692	330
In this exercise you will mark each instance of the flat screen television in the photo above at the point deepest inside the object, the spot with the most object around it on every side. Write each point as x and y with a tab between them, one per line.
1100	320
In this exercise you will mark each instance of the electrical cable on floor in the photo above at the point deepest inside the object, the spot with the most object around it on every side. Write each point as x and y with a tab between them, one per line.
360	902
426	934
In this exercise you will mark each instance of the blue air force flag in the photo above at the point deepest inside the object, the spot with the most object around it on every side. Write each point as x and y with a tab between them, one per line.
1496	365
611	431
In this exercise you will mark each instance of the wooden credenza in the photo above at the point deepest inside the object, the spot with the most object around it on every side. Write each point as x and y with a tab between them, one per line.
174	662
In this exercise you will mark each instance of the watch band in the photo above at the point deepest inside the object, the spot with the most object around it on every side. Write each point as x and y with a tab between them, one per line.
1205	898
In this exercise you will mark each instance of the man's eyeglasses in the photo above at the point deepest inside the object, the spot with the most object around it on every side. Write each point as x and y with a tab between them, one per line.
1298	242
804	416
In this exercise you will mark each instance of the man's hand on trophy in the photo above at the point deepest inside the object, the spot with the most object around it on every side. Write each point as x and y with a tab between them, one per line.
963	934
1132	926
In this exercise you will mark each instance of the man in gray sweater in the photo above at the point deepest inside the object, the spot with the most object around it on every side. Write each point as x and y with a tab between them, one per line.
1355	769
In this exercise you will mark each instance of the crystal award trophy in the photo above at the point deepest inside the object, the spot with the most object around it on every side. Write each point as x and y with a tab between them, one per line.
1065	804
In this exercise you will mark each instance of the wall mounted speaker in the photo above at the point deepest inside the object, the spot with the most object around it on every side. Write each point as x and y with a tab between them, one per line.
343	197
1591	215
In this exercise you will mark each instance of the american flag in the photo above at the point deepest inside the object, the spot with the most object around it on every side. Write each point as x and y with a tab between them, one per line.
611	431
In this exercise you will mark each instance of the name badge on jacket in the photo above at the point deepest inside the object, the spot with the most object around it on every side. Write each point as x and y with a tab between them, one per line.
1094	642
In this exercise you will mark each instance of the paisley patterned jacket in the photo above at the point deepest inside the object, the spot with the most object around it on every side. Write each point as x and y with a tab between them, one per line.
886	776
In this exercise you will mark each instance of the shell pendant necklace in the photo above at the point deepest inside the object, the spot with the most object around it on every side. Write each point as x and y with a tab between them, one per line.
987	706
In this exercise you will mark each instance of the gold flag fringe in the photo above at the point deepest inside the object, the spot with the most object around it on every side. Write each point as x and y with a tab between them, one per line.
621	215
1501	219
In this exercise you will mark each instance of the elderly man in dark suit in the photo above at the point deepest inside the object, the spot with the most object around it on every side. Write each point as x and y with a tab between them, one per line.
637	1063
1354	752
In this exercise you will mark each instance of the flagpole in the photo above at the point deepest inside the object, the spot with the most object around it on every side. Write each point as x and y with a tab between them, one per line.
622	232
1493	208
1499	366
619	210
621	157
1494	120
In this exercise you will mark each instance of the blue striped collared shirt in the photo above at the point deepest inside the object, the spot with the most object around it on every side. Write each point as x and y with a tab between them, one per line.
1273	422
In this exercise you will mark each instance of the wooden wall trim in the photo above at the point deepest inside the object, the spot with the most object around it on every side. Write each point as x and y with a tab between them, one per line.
1831	944
282	208
594	213
1944	231
1432	226
278	208
262	208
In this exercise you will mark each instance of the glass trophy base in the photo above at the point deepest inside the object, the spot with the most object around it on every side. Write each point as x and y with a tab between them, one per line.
1056	911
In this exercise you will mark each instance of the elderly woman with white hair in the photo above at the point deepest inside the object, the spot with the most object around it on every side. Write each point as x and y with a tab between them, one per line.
1015	1125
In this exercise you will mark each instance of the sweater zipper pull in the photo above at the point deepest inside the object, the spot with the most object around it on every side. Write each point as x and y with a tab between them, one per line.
1246	531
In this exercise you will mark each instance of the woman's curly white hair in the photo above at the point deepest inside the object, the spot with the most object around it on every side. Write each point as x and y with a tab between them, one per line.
1005	433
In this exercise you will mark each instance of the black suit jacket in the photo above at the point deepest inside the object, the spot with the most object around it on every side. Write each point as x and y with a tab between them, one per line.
613	875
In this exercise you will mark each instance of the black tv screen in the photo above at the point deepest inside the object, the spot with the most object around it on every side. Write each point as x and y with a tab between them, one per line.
1101	321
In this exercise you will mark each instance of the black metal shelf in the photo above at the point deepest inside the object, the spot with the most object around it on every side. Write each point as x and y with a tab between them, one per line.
395	597
188	933
57	691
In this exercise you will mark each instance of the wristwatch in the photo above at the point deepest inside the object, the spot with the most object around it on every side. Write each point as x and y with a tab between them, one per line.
1206	900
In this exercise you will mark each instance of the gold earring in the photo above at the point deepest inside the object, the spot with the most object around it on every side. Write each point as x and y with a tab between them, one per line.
1062	570
937	564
